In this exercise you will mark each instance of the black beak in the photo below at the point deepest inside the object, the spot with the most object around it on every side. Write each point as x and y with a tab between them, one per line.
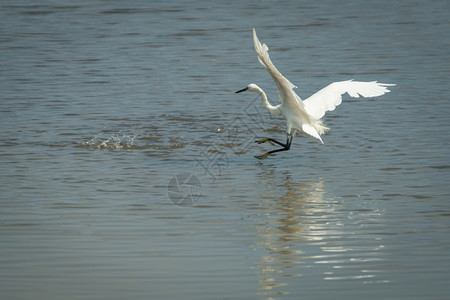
243	90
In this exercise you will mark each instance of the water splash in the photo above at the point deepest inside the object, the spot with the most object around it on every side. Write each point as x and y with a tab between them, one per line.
114	141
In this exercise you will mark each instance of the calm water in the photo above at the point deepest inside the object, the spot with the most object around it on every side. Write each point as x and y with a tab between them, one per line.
106	106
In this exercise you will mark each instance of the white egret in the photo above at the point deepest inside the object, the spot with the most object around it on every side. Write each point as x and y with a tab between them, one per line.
305	116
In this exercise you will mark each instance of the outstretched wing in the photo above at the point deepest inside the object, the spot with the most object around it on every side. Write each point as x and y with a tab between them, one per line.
331	96
285	87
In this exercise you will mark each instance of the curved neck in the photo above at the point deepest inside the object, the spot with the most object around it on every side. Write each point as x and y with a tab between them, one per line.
272	109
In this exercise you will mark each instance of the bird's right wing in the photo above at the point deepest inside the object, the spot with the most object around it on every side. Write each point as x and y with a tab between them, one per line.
285	87
331	96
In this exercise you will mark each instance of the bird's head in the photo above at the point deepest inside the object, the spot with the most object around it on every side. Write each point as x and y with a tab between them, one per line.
251	88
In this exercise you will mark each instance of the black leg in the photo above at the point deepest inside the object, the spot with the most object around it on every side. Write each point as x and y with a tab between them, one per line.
270	141
286	146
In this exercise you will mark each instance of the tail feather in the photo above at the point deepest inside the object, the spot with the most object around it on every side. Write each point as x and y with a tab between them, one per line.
321	129
311	130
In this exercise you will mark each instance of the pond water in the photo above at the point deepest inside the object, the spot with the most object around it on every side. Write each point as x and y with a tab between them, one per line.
127	161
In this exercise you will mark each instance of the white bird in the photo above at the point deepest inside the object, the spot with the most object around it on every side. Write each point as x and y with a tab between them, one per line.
305	116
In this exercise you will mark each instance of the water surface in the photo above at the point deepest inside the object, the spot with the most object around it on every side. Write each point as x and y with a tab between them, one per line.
103	104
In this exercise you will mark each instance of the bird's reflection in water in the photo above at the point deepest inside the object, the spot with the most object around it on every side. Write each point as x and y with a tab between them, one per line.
285	219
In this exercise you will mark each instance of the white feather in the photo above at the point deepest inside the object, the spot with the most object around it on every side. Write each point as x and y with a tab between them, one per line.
285	87
304	116
331	96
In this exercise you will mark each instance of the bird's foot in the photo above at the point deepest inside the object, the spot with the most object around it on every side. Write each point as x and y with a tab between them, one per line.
264	140
262	156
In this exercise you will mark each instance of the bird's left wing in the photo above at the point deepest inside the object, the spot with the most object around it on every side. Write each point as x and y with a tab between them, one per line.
331	96
285	87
